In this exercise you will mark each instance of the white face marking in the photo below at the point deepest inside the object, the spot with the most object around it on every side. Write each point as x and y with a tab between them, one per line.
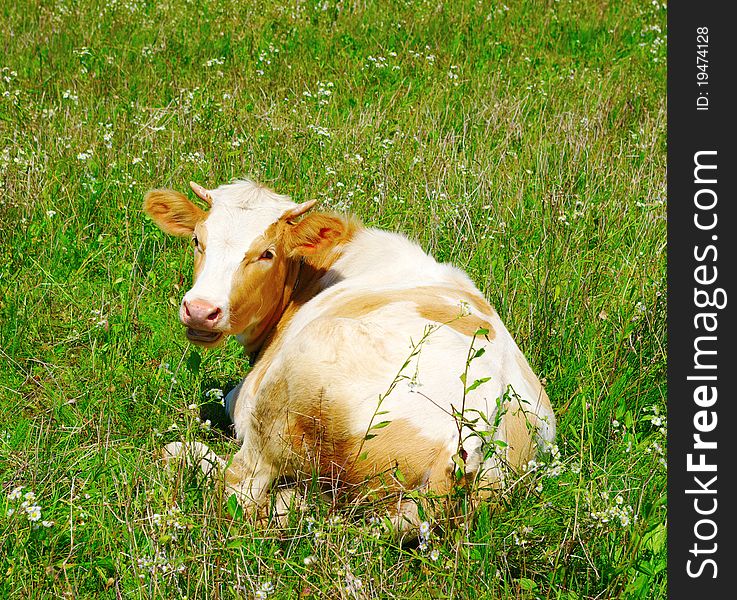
231	230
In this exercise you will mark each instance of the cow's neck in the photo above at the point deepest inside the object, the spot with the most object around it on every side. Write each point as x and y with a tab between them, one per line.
303	282
306	277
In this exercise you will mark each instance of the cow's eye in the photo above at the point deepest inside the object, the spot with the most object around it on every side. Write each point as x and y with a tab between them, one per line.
267	255
195	241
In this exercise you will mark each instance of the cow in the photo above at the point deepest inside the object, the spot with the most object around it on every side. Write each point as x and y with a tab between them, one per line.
373	366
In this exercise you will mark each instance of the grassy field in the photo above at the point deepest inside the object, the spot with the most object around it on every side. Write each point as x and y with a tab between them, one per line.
524	142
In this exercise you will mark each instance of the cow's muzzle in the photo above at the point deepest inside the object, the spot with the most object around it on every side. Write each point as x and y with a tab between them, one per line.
207	338
203	321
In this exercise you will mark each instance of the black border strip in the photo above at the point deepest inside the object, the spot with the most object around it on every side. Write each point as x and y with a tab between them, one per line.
702	260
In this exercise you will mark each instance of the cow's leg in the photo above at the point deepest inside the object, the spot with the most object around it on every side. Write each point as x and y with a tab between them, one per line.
404	516
250	476
437	501
195	454
409	514
286	499
249	479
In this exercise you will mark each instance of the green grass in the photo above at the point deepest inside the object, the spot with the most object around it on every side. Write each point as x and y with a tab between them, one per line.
525	144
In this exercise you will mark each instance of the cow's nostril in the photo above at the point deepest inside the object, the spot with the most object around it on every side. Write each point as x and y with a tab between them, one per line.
200	314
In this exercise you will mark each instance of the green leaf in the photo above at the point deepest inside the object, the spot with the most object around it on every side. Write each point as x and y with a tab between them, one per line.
477	383
194	360
398	475
655	540
527	584
380	425
234	508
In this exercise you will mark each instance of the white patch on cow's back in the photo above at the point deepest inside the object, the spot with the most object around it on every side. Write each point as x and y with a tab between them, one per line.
385	257
379	261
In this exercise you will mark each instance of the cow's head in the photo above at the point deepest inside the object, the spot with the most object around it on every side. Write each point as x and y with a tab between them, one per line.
247	251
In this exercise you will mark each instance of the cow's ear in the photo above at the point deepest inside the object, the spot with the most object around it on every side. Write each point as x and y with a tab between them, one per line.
173	212
316	234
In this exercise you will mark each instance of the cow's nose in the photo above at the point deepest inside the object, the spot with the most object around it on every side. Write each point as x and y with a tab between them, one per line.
200	314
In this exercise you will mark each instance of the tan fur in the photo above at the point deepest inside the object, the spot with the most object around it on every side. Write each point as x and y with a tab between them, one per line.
541	396
472	296
302	282
263	288
447	314
199	254
422	463
304	426
430	302
517	425
173	212
520	421
259	290
398	457
315	235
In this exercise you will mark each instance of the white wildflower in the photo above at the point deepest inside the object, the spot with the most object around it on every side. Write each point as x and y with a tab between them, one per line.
34	513
215	393
424	529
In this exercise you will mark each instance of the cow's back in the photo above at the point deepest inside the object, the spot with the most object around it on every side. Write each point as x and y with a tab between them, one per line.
370	373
